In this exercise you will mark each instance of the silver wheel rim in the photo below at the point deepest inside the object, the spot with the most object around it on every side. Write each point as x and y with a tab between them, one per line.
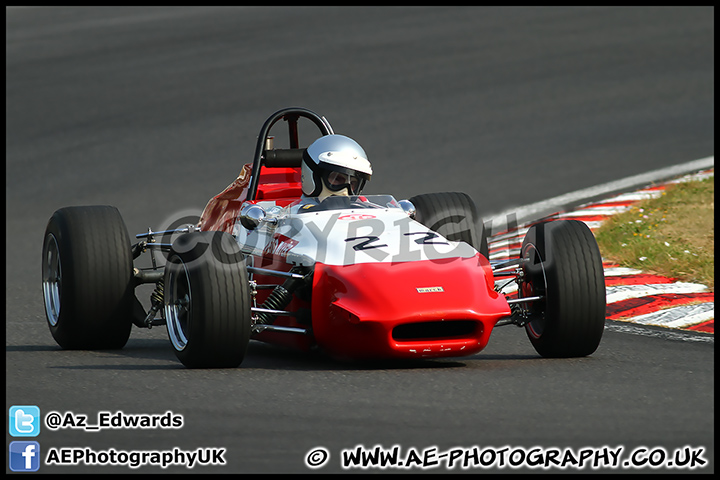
178	307
536	327
52	279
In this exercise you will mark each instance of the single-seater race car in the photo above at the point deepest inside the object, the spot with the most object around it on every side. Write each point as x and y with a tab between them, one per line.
355	276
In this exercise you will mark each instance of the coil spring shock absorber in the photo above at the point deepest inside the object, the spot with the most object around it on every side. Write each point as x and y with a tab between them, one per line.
156	299
280	298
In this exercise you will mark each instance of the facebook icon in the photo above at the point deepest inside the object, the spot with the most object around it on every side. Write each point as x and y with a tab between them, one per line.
24	456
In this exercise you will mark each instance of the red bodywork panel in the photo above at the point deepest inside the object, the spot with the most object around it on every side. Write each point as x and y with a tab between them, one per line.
374	310
221	212
412	309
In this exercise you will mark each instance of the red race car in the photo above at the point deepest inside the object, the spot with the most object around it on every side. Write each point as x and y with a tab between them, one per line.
293	253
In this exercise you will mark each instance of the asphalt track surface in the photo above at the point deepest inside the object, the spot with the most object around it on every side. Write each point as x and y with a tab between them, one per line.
155	110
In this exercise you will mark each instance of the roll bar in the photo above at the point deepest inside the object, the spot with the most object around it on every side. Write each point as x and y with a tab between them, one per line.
291	157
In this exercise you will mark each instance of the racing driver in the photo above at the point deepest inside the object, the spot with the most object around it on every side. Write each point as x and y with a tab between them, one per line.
334	165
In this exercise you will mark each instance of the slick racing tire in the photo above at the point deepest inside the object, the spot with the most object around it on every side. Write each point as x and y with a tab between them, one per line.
207	300
562	263
86	278
454	216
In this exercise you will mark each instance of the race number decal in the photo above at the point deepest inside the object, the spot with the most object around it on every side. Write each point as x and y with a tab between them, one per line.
365	245
427	239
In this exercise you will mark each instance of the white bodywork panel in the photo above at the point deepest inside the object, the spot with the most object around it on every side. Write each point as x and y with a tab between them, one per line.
383	233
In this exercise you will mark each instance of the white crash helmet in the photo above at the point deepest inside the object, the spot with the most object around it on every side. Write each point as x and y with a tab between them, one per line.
338	163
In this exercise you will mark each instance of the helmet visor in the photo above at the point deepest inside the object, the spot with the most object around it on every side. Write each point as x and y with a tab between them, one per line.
336	181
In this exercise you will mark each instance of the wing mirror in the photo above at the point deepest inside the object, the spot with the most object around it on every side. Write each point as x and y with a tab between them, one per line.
252	215
407	207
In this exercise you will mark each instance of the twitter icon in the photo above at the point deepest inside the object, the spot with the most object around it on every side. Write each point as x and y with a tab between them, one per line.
24	421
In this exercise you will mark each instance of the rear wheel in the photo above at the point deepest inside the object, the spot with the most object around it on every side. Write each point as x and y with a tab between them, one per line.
86	278
454	216
562	263
207	300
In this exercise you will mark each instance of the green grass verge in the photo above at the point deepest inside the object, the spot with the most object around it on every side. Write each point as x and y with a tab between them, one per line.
673	235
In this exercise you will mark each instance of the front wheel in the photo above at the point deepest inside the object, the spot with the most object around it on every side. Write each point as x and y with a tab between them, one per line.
207	300
562	264
86	278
